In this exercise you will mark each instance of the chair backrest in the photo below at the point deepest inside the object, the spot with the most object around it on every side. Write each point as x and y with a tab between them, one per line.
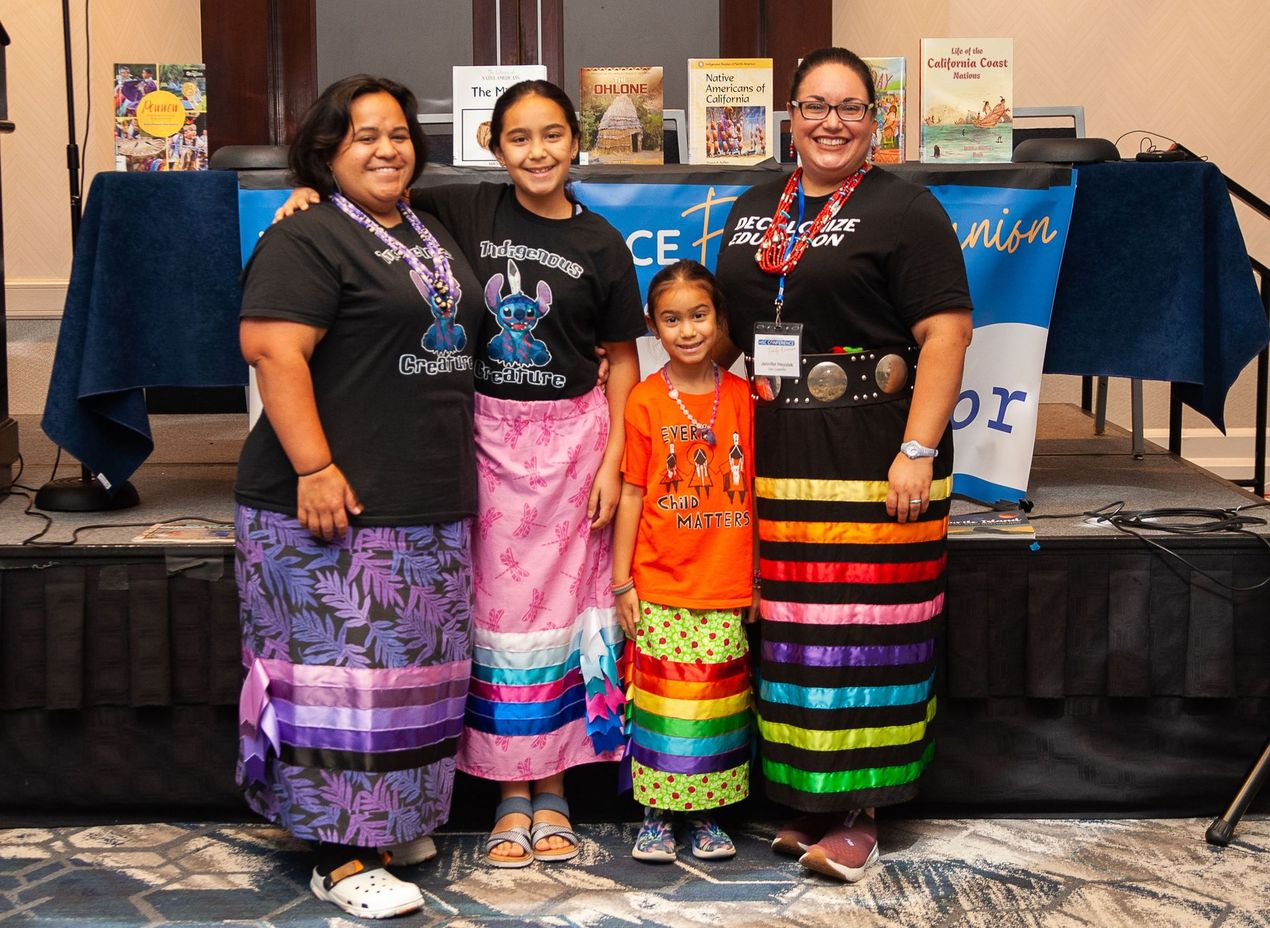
1048	122
439	130
783	129
674	127
249	158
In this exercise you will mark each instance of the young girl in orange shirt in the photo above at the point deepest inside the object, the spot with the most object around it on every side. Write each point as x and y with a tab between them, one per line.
683	578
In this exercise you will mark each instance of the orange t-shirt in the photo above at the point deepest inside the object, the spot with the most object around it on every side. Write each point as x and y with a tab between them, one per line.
695	545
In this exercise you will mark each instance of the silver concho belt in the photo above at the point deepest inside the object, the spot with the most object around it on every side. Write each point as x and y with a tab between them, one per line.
879	375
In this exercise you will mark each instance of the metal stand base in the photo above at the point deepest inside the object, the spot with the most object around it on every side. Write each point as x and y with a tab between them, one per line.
1221	830
1100	414
75	494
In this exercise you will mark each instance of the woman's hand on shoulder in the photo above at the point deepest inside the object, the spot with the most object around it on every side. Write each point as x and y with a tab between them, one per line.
324	500
909	480
301	199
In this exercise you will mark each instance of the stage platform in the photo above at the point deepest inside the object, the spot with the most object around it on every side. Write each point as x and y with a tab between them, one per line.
1087	672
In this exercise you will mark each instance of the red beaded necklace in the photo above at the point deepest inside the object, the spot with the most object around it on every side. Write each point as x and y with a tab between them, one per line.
774	255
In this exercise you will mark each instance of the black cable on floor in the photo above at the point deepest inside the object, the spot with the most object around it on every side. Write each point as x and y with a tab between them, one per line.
1211	521
28	493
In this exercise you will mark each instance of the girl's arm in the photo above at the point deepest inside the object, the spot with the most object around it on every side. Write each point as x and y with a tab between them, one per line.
607	485
279	351
752	615
301	199
625	529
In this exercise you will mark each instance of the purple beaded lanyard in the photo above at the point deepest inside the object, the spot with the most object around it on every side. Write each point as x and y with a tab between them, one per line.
441	280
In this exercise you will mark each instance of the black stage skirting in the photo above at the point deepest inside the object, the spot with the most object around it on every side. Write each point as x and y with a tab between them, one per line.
1090	675
1074	680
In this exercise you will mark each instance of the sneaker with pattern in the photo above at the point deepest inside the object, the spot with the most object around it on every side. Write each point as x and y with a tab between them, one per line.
708	840
655	842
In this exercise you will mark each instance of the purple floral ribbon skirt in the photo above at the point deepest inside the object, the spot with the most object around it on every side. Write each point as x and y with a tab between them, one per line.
358	656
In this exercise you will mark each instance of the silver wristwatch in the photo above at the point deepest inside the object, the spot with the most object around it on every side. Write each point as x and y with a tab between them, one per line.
914	450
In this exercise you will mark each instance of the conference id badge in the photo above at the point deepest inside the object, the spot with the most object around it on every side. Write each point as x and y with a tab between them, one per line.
777	348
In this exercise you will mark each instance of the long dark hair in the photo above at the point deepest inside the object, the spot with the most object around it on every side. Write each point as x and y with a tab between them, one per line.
516	92
322	130
832	54
686	271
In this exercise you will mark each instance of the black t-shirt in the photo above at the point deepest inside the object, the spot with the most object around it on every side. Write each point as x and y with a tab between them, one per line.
393	383
888	259
578	268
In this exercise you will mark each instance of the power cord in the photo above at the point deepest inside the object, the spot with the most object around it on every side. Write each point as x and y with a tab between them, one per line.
1210	521
34	542
1148	143
28	493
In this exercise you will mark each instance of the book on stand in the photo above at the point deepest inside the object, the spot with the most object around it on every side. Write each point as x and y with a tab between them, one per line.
186	532
890	81
730	110
476	90
1006	523
967	94
621	115
160	116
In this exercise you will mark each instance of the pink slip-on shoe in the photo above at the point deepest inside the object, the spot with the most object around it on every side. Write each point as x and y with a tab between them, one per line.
845	851
794	838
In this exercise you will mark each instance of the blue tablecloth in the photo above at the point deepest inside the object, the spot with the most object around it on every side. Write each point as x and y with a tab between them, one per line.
153	301
1156	282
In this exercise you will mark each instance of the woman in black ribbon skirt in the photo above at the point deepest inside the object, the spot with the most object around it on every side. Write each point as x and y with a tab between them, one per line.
850	298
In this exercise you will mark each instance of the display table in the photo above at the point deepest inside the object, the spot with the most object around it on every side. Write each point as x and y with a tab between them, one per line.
153	301
1155	284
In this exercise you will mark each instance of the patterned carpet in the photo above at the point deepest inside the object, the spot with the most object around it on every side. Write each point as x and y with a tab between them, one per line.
998	872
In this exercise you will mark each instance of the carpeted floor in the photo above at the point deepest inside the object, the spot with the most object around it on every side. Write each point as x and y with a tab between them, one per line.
990	872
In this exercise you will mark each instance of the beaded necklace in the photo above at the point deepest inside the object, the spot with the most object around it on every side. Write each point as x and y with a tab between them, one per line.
706	431
439	279
775	256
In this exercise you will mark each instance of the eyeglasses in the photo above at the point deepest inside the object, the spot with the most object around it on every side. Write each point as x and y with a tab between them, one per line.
847	110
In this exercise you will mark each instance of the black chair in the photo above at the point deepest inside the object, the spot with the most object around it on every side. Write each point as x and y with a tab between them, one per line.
1048	122
249	158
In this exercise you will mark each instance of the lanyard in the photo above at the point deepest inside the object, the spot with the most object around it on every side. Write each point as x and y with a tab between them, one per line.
440	280
789	247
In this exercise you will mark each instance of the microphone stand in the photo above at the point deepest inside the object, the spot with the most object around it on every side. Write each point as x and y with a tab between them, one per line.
84	493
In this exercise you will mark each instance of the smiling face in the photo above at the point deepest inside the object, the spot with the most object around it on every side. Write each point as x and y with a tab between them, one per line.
536	146
686	324
375	161
830	149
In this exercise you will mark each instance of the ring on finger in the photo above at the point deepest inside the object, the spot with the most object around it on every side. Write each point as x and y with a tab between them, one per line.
914	502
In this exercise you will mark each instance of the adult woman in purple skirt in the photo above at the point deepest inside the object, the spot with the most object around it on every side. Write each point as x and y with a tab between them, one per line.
355	491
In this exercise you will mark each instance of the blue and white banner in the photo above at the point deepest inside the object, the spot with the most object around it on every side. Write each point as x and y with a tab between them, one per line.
1012	239
664	223
1012	223
255	214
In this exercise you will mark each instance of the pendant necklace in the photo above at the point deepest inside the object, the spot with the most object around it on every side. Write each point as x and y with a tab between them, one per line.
705	431
775	254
